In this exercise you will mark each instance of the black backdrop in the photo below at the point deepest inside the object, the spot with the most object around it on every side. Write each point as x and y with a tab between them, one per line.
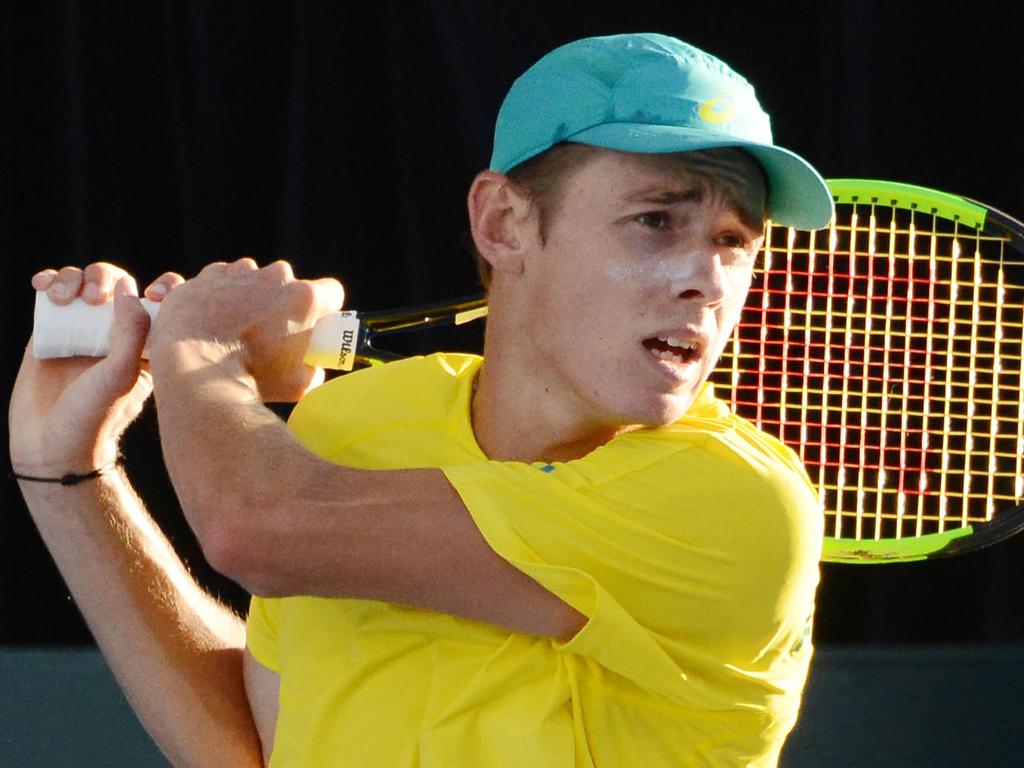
342	137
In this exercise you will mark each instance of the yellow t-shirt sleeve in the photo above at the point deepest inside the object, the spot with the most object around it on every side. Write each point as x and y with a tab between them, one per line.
538	525
674	576
261	630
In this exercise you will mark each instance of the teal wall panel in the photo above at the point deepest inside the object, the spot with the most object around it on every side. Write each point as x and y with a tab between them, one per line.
864	707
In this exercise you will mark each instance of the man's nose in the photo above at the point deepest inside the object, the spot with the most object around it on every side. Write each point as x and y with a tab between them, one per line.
701	277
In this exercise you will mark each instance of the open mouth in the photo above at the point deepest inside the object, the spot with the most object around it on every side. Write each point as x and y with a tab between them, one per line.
672	350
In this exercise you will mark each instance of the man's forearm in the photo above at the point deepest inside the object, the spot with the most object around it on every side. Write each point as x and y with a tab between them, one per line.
177	654
233	462
268	512
282	521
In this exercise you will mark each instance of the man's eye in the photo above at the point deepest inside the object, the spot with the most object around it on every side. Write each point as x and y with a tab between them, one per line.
738	241
653	219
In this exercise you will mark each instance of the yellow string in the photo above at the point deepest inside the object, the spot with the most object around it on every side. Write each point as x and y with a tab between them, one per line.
957	380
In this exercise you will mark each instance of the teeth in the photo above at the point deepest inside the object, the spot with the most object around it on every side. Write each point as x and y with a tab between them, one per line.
672	341
668	356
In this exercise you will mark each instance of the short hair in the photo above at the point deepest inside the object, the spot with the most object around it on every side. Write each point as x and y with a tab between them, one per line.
540	179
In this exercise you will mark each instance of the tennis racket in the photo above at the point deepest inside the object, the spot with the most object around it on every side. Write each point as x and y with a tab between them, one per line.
887	350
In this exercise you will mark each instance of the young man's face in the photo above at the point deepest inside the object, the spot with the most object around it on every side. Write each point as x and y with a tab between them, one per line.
642	275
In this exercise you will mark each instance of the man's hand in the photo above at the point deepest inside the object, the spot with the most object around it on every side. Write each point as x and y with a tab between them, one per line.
263	318
176	652
67	415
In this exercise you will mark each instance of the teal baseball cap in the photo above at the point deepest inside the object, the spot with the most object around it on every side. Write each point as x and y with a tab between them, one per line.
652	93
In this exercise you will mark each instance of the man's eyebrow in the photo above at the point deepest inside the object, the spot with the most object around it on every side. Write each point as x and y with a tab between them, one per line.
754	222
666	196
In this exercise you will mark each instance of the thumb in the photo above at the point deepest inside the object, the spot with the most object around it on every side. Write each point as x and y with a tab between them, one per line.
128	332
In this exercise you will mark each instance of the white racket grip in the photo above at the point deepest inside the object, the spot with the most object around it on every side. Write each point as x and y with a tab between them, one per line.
333	343
79	329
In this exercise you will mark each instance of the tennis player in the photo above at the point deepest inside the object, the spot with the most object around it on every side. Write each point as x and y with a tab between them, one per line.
566	553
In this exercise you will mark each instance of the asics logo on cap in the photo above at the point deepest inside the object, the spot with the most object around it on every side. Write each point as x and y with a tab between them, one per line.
719	110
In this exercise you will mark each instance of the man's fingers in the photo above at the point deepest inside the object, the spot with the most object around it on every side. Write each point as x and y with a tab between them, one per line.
317	378
163	285
94	284
244	264
65	285
280	271
44	279
98	281
214	267
329	294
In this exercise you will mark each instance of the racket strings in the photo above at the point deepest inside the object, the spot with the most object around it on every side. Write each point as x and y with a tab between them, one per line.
888	352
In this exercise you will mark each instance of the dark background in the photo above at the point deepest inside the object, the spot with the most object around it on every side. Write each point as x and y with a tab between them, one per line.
342	137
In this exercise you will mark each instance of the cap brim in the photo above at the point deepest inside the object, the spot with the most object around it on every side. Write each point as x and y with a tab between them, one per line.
798	196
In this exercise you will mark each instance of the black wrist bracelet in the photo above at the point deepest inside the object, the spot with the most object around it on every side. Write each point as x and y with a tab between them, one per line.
70	478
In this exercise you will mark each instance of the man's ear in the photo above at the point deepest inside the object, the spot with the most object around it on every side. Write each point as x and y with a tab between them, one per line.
499	218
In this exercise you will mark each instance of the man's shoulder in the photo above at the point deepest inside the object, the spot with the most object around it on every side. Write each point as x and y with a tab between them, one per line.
414	390
711	454
712	416
441	371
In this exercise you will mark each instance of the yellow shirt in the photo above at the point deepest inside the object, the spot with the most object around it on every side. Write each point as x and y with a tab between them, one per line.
692	549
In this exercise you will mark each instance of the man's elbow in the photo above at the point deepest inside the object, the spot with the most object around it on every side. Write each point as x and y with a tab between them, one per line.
233	546
227	551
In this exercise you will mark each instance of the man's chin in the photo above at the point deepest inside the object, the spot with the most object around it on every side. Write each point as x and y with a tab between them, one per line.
666	409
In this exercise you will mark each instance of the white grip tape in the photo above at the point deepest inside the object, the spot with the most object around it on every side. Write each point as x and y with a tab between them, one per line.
79	329
76	329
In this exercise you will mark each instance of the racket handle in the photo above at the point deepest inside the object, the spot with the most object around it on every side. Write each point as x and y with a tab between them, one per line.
79	329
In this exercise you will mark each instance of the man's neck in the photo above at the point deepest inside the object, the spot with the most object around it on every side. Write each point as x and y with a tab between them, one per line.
516	418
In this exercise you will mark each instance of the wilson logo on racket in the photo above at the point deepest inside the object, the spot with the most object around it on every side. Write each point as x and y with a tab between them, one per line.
335	341
347	353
